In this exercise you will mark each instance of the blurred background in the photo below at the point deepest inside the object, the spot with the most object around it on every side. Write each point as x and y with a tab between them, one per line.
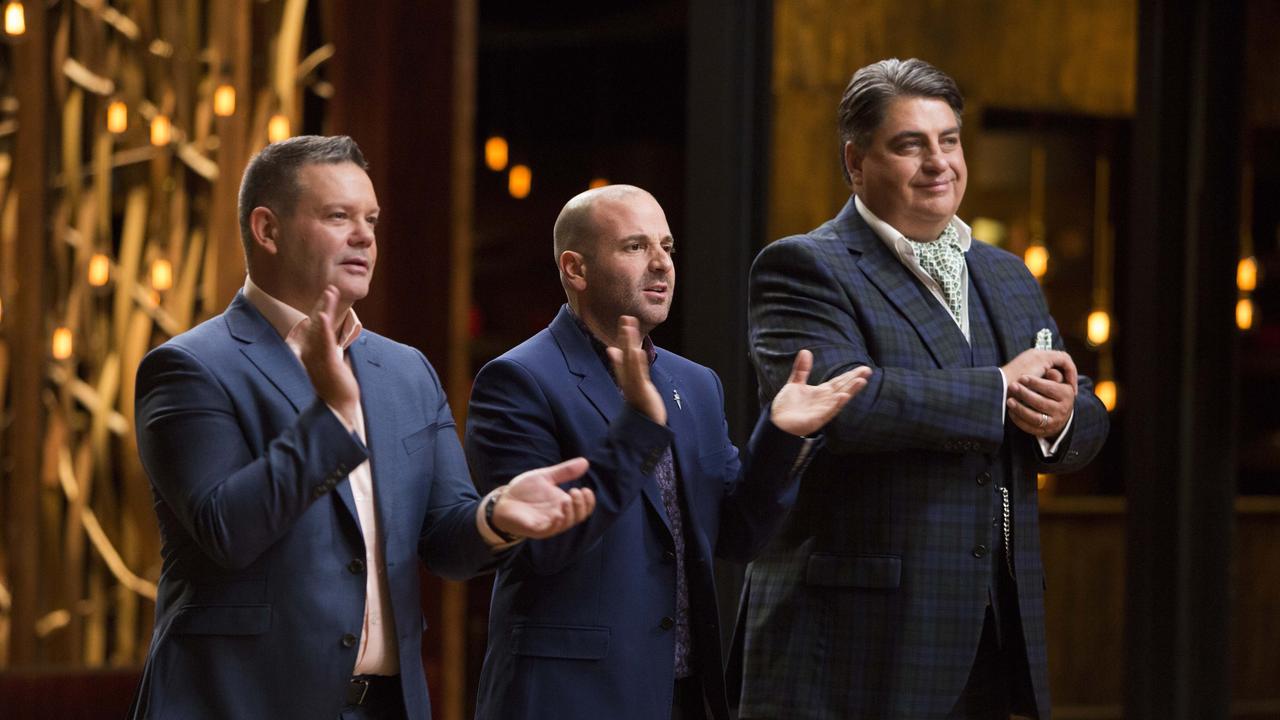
1128	150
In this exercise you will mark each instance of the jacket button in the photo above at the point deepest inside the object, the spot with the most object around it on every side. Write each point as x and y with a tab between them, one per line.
980	551
668	556
356	566
984	478
667	623
348	640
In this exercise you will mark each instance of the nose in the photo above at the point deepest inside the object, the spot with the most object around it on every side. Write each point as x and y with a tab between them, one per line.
361	233
660	261
934	160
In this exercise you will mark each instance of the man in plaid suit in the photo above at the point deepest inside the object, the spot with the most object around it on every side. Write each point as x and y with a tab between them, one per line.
907	581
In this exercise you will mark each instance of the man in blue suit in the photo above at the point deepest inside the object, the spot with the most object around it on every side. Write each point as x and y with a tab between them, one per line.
616	618
302	467
907	581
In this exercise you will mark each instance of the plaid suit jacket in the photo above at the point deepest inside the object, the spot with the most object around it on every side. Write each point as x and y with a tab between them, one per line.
870	602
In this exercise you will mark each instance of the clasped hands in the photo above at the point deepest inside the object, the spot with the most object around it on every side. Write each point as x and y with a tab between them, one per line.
1042	391
798	408
533	505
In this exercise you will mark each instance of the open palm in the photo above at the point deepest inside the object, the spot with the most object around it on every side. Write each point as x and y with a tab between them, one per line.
803	409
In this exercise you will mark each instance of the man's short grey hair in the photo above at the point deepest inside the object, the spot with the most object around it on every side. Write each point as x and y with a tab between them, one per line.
271	178
867	96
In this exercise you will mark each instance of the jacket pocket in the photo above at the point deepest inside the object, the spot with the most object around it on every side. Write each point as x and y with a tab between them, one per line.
860	571
560	641
222	620
417	440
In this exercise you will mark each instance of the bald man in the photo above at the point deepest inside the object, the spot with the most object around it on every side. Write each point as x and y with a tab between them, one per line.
617	618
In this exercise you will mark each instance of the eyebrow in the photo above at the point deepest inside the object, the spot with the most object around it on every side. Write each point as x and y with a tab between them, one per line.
905	134
639	236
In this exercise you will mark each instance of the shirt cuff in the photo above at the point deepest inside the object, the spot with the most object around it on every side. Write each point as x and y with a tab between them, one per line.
490	537
1048	450
1004	397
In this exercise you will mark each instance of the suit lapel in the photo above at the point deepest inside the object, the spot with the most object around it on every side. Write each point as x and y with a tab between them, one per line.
882	267
597	385
982	278
264	347
379	393
683	445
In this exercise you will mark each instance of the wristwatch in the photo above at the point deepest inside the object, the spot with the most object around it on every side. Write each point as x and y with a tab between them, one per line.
489	504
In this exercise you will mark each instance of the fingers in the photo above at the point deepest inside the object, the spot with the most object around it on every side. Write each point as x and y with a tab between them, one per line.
1054	375
1056	391
801	367
1064	362
567	471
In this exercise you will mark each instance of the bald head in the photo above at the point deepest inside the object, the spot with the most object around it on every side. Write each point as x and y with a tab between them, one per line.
576	228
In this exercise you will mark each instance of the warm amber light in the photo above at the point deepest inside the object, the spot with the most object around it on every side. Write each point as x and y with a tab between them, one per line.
1106	392
495	153
161	274
278	128
1041	481
117	117
597	183
1099	327
1247	274
99	270
224	100
520	181
1244	313
1037	260
62	343
15	18
161	130
1	309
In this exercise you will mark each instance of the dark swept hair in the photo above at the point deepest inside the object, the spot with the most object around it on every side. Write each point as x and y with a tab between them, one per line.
867	96
271	177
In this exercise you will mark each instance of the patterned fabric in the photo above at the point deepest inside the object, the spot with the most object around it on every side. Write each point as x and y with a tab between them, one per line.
665	475
944	261
870	601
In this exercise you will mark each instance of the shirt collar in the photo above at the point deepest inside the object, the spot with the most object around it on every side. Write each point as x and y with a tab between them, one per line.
602	350
288	321
898	242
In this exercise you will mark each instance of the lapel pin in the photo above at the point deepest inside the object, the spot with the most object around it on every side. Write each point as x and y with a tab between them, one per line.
675	395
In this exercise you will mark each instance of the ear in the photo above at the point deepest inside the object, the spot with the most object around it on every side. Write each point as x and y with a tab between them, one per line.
265	227
573	268
853	164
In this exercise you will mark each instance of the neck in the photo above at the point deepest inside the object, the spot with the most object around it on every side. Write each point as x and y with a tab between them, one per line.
604	328
301	300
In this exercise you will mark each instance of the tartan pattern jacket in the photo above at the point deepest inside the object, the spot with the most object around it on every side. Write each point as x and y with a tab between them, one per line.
870	601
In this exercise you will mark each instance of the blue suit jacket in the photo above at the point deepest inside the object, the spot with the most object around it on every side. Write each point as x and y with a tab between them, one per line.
870	602
261	598
576	626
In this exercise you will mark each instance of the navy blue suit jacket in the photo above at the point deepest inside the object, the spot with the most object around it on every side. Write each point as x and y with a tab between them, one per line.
261	598
870	602
580	623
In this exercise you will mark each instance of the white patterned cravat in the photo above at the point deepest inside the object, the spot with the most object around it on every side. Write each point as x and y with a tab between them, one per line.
944	261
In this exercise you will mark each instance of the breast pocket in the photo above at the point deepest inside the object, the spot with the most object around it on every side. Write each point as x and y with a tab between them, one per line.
586	642
419	440
222	620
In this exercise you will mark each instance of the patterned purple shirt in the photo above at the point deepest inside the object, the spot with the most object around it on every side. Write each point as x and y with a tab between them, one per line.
665	475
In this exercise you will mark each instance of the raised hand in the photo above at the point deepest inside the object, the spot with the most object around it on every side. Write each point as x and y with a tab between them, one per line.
1036	363
631	367
321	356
1042	406
803	409
535	506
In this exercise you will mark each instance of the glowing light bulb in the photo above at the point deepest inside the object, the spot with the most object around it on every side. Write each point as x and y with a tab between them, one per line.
117	117
15	18
1244	313
495	153
1099	327
1037	260
161	130
62	343
99	270
224	100
520	181
1106	392
1247	274
278	128
597	183
161	274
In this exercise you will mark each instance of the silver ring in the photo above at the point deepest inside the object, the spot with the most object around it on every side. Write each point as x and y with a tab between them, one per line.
1044	420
